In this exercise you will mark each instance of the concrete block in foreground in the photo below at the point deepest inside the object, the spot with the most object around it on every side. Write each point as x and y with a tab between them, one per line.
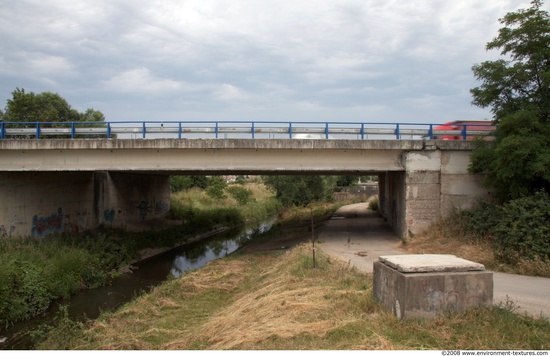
427	285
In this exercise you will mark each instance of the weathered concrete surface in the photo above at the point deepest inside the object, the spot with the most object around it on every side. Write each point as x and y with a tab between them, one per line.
430	263
43	203
428	294
205	156
272	144
362	237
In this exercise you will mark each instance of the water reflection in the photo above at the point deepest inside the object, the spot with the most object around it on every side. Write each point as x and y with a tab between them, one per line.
192	259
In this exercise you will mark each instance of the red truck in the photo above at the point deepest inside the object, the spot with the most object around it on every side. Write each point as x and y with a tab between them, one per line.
463	130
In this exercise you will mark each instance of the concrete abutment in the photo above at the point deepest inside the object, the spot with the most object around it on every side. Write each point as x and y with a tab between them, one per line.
42	203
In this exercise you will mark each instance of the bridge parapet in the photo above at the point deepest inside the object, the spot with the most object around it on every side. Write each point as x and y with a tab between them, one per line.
242	129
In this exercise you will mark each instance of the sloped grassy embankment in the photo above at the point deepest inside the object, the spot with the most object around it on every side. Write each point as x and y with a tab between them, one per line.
277	300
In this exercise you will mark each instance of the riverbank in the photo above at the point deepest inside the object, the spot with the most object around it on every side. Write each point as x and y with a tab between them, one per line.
35	272
273	300
269	298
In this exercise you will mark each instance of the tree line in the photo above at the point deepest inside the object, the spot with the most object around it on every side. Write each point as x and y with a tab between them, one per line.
44	107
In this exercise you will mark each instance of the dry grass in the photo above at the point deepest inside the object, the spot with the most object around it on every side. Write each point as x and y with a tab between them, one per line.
448	237
274	301
281	307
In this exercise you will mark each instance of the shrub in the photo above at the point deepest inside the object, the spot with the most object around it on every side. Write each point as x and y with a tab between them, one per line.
23	292
523	229
240	194
70	270
215	188
483	219
373	203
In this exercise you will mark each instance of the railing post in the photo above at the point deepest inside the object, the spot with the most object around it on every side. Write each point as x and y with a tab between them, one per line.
38	131
464	132
252	129
72	131
143	131
109	130
326	130
216	129
2	130
179	129
362	131
290	130
397	131
431	132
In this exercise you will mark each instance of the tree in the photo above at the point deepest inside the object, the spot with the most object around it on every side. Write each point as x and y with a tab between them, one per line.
91	115
517	89
45	107
297	190
216	187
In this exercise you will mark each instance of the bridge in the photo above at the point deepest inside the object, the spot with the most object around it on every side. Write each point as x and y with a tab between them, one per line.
76	176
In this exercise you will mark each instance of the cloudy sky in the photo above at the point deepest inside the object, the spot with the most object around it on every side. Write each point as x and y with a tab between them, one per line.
299	60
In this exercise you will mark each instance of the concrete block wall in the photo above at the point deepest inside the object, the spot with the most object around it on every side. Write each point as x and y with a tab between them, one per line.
423	190
43	203
437	183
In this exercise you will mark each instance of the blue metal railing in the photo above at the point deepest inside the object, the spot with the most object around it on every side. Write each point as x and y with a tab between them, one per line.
242	129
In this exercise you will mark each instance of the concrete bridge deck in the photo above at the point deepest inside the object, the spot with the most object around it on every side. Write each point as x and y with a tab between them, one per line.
213	156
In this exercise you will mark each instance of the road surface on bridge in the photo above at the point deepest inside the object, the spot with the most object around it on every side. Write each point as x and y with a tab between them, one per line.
360	236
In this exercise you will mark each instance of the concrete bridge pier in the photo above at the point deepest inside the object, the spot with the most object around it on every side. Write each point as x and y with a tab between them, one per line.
434	184
42	203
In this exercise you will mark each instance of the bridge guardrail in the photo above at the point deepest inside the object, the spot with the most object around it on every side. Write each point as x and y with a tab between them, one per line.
236	129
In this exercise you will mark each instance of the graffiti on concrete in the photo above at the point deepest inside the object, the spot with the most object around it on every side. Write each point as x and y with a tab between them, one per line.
5	233
161	207
69	227
48	224
9	230
144	209
109	215
469	292
82	219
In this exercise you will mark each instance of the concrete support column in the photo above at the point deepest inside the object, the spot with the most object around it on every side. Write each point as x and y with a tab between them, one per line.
396	211
382	195
423	190
130	198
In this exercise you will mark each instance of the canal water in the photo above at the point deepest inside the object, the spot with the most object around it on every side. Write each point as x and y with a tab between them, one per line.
89	304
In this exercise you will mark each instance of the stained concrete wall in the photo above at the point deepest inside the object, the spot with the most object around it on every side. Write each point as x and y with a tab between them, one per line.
395	201
438	183
43	203
426	295
131	198
459	189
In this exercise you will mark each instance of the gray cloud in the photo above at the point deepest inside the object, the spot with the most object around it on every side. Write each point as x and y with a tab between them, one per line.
244	59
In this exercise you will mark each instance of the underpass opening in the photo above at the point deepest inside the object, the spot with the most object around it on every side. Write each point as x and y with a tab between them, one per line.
364	186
